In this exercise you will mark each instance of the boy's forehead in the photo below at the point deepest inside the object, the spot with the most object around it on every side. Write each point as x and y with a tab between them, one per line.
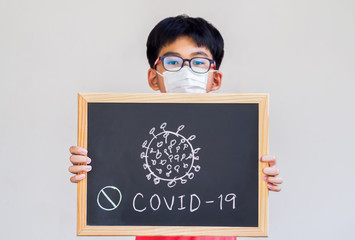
185	47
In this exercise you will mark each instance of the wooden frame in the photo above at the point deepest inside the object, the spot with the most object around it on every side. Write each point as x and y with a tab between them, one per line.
261	231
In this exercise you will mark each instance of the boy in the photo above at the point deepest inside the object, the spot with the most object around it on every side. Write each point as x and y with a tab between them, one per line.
184	55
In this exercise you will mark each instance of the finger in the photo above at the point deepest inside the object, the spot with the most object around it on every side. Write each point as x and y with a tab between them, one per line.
274	180
271	171
76	159
275	188
79	168
77	178
271	159
75	150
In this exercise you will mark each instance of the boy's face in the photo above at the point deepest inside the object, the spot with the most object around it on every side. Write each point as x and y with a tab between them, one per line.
185	48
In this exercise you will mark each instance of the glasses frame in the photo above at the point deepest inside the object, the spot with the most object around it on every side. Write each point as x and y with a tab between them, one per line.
161	58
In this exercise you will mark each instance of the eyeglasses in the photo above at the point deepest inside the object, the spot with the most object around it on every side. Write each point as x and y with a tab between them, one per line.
175	63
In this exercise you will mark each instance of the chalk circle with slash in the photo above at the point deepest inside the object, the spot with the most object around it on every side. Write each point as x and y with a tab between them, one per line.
109	198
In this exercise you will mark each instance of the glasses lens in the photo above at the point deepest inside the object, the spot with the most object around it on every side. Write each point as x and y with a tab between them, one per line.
200	65
172	63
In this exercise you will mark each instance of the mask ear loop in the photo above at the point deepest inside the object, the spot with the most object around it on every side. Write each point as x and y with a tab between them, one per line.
214	70
159	73
155	66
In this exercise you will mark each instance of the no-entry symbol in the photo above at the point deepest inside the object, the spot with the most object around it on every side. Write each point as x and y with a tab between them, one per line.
109	198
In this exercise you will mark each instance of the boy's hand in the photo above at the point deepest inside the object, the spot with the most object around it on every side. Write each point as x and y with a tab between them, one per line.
78	157
271	173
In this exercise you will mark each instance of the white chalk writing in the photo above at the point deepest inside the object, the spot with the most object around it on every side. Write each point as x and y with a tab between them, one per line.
189	203
169	156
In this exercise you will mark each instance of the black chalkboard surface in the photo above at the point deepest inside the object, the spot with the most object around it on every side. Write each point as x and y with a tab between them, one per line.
180	160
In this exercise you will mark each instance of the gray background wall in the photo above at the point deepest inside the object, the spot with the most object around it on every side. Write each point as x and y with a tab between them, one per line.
301	52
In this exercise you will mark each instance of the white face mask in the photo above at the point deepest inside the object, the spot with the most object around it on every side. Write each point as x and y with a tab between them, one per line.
185	81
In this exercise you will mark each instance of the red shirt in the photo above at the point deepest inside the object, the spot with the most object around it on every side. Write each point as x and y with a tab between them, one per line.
185	238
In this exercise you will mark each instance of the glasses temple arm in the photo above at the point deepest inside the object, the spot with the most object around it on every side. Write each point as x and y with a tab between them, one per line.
156	62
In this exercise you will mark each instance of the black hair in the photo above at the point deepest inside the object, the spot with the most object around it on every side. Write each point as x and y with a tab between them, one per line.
169	29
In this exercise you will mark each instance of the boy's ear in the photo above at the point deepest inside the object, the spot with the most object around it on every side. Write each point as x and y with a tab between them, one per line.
153	79
216	81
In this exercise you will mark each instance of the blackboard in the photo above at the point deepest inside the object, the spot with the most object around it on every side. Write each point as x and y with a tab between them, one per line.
166	160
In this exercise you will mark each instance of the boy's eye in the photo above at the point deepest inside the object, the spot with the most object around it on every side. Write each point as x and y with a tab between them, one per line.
199	62
171	62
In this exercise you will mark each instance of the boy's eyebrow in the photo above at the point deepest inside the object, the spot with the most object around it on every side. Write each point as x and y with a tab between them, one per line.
192	54
199	53
171	54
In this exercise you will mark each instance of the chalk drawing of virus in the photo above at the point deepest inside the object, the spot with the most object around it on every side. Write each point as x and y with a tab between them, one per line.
170	157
